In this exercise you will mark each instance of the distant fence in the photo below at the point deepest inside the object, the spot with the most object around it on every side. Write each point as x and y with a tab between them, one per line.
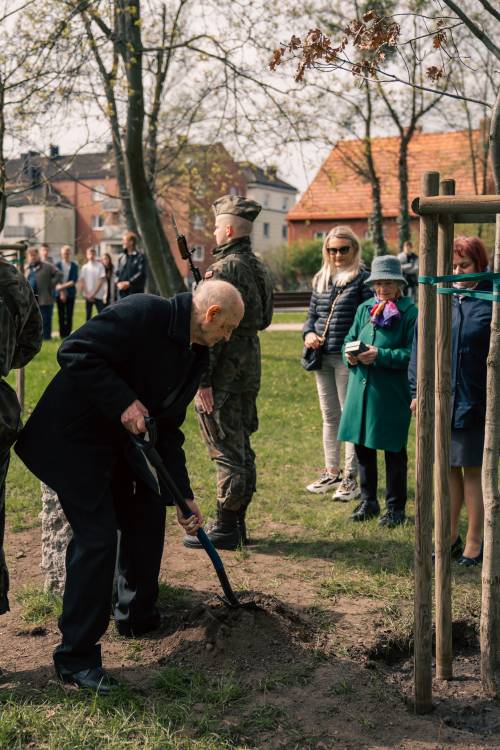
291	300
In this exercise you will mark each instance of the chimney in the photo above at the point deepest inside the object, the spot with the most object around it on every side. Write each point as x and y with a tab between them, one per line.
272	171
53	151
31	167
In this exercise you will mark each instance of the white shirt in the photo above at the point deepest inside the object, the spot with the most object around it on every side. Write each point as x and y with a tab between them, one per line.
92	271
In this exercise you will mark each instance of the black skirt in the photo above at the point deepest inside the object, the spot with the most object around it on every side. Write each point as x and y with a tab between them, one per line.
467	446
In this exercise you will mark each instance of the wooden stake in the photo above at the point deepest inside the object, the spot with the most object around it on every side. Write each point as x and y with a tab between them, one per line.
442	515
425	454
490	603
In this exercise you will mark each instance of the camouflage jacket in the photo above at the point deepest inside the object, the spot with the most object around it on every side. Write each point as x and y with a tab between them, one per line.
235	365
20	323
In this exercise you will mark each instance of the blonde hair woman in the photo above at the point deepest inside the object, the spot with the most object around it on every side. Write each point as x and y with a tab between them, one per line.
340	280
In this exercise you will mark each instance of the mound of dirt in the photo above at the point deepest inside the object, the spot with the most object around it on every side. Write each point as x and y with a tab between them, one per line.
263	632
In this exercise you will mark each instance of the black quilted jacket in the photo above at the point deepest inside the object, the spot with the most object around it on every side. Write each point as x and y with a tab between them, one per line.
352	295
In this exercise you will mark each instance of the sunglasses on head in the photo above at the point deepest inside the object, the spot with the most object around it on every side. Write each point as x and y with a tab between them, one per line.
342	250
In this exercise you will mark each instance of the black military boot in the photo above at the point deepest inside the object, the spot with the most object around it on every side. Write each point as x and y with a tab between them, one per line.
224	533
242	525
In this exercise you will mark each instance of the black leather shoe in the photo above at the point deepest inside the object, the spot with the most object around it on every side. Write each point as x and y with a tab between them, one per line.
456	549
365	510
136	629
392	518
94	679
469	562
224	533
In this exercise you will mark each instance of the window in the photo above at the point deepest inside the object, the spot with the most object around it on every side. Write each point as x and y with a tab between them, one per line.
97	221
284	232
98	193
265	200
265	229
198	253
284	205
20	219
320	235
198	222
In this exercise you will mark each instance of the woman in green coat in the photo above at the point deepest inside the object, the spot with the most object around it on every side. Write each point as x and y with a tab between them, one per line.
376	414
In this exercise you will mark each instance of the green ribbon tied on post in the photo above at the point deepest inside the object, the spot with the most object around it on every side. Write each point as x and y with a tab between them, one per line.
493	296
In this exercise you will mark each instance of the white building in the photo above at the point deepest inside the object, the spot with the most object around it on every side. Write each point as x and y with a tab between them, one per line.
39	214
270	228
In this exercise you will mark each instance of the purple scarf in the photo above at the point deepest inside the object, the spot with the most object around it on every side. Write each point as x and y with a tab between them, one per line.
384	313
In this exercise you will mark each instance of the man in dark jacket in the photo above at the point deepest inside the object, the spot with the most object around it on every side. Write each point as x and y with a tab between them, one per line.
42	277
132	268
143	356
20	340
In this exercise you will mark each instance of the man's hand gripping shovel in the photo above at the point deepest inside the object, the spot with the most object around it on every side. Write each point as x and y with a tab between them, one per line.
146	445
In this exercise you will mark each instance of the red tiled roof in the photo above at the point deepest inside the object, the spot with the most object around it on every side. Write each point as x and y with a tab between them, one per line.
338	192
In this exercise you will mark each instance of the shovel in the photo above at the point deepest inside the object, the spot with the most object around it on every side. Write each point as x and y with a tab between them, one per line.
146	445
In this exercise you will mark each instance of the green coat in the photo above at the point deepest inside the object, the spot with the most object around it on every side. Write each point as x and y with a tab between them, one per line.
376	412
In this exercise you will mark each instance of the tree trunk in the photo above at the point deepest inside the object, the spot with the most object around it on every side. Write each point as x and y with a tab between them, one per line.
3	178
490	603
166	275
377	219
404	209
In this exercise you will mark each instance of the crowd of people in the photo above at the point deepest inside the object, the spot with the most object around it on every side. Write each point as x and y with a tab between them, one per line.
98	281
367	384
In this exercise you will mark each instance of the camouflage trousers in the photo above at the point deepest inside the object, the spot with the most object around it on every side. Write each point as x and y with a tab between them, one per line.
227	432
4	575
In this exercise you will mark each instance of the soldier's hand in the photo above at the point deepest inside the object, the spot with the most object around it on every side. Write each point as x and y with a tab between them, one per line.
133	418
204	400
194	522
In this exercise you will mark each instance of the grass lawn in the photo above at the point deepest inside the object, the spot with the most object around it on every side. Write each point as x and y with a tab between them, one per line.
361	561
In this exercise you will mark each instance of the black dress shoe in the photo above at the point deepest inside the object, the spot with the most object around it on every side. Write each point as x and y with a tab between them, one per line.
392	518
456	549
94	679
469	562
365	510
136	629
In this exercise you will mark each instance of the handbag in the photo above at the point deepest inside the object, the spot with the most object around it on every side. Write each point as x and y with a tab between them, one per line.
312	359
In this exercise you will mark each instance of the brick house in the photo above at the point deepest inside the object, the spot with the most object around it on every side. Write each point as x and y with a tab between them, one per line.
338	194
85	187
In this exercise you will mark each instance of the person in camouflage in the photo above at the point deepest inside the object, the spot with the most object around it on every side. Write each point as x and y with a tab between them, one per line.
20	340
226	403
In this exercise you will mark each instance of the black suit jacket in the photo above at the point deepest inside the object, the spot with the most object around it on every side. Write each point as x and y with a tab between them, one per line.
138	348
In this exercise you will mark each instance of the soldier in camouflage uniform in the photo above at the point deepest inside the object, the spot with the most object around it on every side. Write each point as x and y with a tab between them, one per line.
226	401
20	340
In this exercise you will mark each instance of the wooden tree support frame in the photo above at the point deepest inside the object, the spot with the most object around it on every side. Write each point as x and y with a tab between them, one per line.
438	214
16	253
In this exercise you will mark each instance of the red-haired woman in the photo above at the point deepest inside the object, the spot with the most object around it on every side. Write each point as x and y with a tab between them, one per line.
471	319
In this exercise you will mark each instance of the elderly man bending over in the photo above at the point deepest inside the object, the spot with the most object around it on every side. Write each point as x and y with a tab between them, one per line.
143	356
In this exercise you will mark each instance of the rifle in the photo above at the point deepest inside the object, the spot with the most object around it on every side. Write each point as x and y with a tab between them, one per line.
185	252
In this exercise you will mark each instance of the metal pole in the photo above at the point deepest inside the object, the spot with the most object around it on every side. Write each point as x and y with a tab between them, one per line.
425	454
442	542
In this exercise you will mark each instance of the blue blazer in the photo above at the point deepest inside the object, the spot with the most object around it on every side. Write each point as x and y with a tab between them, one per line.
470	341
73	276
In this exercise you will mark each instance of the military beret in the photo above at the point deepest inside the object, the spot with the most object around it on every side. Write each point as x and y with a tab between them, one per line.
236	205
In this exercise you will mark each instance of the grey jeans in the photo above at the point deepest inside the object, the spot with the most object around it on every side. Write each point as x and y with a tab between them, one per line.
331	382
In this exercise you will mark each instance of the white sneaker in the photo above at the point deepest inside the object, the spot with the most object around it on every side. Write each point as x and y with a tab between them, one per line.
326	482
348	489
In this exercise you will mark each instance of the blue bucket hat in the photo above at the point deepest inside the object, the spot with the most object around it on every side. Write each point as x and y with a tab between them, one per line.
385	268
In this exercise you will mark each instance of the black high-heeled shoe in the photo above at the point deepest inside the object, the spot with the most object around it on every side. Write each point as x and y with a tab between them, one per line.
456	549
468	562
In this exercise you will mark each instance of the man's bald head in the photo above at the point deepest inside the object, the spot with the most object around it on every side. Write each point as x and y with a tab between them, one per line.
217	310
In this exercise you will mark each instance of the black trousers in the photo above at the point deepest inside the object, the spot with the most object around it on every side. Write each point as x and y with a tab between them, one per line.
99	305
65	312
4	575
396	465
129	506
